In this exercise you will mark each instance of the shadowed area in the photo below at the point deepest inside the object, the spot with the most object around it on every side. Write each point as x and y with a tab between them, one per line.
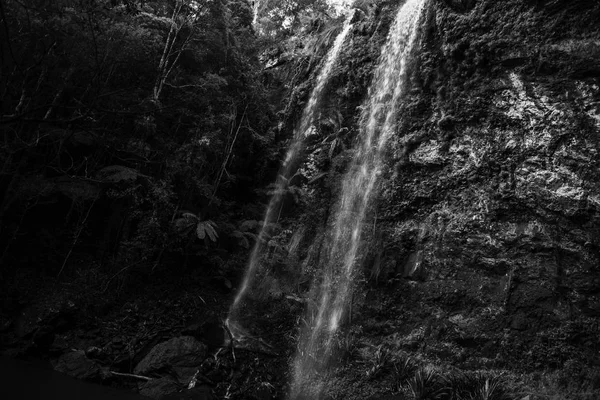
37	380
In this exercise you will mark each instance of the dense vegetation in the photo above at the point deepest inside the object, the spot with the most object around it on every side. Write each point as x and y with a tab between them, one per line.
127	128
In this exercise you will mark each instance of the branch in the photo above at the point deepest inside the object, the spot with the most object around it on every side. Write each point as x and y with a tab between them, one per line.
162	64
6	31
144	378
226	160
231	341
181	50
191	85
78	233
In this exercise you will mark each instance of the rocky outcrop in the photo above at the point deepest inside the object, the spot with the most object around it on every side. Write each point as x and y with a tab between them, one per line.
492	205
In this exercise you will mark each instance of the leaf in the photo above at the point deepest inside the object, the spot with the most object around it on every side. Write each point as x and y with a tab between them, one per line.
248	225
317	177
182	224
117	173
73	188
227	283
242	240
200	231
334	145
251	235
210	230
207	228
297	193
189	215
282	177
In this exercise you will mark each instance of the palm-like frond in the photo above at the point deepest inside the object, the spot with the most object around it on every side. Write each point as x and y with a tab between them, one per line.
207	228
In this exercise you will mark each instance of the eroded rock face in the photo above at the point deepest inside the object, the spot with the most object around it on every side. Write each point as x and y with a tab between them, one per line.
495	215
518	203
460	5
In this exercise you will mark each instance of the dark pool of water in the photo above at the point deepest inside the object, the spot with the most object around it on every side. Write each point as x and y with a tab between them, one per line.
25	380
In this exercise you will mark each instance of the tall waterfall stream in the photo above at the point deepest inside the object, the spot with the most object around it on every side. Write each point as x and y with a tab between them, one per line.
291	161
332	294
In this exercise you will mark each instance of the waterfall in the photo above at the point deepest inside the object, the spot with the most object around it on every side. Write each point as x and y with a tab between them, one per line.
290	162
255	8
332	294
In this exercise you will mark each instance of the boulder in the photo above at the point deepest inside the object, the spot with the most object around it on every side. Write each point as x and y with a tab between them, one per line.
77	365
183	355
210	332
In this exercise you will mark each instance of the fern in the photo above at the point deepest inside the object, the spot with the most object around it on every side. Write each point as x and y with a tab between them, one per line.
244	238
189	221
336	141
404	367
185	224
427	385
380	361
296	192
249	225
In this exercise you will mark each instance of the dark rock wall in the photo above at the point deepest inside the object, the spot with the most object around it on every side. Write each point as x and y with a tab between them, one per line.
492	198
486	239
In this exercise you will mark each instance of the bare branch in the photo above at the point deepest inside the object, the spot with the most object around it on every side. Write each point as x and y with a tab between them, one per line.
144	378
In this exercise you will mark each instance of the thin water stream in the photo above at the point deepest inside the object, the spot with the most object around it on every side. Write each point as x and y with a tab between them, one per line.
332	294
290	162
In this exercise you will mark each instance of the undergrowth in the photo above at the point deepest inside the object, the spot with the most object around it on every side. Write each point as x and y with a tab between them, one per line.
429	384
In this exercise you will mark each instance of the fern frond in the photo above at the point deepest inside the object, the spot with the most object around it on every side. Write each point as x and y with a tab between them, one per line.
189	215
249	225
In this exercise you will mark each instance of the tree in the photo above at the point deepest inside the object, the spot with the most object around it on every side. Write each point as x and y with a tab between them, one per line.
282	18
134	109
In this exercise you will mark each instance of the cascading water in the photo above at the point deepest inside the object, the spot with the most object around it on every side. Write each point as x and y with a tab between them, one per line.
333	292
290	162
255	7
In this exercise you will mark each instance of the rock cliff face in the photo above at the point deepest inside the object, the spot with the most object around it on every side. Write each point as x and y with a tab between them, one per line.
484	249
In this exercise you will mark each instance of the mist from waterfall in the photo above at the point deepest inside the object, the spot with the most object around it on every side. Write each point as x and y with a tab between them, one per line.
331	295
282	182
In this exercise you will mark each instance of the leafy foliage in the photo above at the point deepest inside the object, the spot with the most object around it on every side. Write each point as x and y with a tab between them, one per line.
189	223
206	229
282	17
244	234
152	106
381	359
404	367
426	384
